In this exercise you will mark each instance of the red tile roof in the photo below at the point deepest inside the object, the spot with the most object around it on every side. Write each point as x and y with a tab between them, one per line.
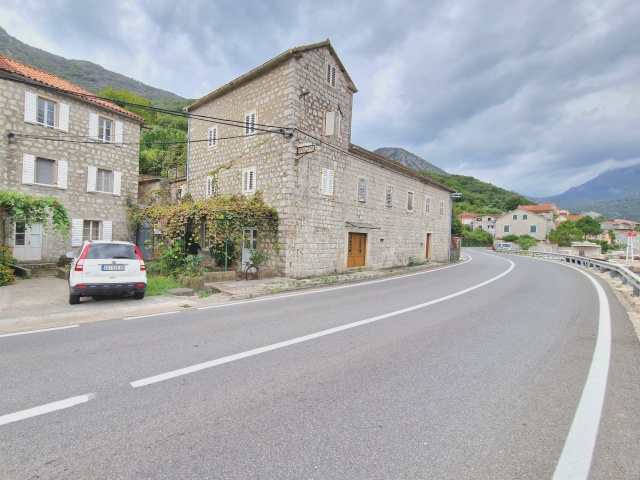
14	67
573	218
544	207
466	215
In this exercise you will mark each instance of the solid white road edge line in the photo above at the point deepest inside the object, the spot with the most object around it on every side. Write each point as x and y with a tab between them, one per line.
352	285
150	315
575	460
48	408
238	356
37	331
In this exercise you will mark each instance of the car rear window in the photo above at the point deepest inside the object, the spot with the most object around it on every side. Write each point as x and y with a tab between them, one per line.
104	251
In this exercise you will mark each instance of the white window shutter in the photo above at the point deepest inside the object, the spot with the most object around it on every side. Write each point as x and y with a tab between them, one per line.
252	180
76	232
119	133
93	126
63	120
327	181
63	168
245	181
209	187
117	183
362	190
329	123
30	107
28	168
107	230
92	174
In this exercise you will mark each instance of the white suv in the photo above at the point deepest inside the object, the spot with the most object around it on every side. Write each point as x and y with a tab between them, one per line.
106	268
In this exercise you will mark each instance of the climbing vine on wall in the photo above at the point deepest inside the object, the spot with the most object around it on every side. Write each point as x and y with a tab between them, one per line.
32	210
225	218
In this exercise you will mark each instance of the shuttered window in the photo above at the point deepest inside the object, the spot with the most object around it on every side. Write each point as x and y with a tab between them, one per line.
389	196
213	137
327	182
250	120
441	208
410	201
362	190
249	180
427	206
105	181
331	75
44	171
46	112
211	187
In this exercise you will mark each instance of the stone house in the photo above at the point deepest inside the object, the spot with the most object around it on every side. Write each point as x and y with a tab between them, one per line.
482	222
621	229
547	210
287	133
523	221
62	142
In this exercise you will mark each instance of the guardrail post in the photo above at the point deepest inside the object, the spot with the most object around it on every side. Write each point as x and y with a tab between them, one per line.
636	291
612	274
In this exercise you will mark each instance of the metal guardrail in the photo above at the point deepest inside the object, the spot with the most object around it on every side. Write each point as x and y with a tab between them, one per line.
615	271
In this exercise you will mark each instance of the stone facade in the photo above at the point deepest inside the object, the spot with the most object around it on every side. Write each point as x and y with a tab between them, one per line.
523	222
326	190
81	166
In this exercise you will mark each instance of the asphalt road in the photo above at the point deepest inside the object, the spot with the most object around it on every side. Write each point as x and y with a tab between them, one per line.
472	371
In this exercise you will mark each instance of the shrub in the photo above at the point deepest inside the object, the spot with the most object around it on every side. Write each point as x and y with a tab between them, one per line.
6	256
525	242
219	252
6	275
193	265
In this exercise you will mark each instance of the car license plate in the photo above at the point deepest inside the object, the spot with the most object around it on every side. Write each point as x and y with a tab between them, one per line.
113	268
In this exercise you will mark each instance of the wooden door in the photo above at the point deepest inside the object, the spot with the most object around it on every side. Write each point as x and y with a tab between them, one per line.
357	252
427	253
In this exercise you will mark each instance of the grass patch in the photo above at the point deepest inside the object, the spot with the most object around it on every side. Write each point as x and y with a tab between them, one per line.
161	285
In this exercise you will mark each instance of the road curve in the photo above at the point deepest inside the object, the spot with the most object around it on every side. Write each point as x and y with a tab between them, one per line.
472	371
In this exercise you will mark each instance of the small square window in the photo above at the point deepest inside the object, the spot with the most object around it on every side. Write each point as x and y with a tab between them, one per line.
525	216
105	129
45	171
506	229
515	217
104	181
533	229
46	112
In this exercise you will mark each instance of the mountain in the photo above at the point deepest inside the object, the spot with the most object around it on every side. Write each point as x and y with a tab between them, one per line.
87	75
409	159
614	193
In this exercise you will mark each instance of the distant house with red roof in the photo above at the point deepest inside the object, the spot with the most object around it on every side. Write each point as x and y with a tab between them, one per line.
547	210
621	228
65	143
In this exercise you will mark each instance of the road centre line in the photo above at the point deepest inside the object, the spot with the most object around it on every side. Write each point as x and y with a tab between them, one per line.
352	285
38	331
48	408
239	356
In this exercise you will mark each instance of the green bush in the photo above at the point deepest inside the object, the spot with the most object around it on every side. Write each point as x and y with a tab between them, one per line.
220	251
6	275
6	256
525	242
193	265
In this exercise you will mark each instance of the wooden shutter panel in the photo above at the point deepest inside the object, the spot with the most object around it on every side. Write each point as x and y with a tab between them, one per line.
76	232
362	190
30	107
93	126
107	230
92	174
119	133
117	183
63	119
389	198
329	123
327	181
63	169
28	168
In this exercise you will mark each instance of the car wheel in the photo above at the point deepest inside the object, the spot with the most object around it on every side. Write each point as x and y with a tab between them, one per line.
74	299
138	295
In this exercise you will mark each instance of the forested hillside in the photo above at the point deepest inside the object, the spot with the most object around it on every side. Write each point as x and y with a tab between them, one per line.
478	196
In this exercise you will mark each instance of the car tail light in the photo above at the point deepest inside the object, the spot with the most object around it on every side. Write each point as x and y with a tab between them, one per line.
142	264
80	263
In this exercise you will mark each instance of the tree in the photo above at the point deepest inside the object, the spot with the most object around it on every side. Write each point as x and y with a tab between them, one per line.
612	235
456	227
514	201
32	210
525	242
566	233
589	226
130	98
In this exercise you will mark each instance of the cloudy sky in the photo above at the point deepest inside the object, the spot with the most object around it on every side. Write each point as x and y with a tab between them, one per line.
534	96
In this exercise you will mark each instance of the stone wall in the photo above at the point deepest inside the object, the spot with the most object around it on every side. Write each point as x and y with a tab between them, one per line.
78	151
314	228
